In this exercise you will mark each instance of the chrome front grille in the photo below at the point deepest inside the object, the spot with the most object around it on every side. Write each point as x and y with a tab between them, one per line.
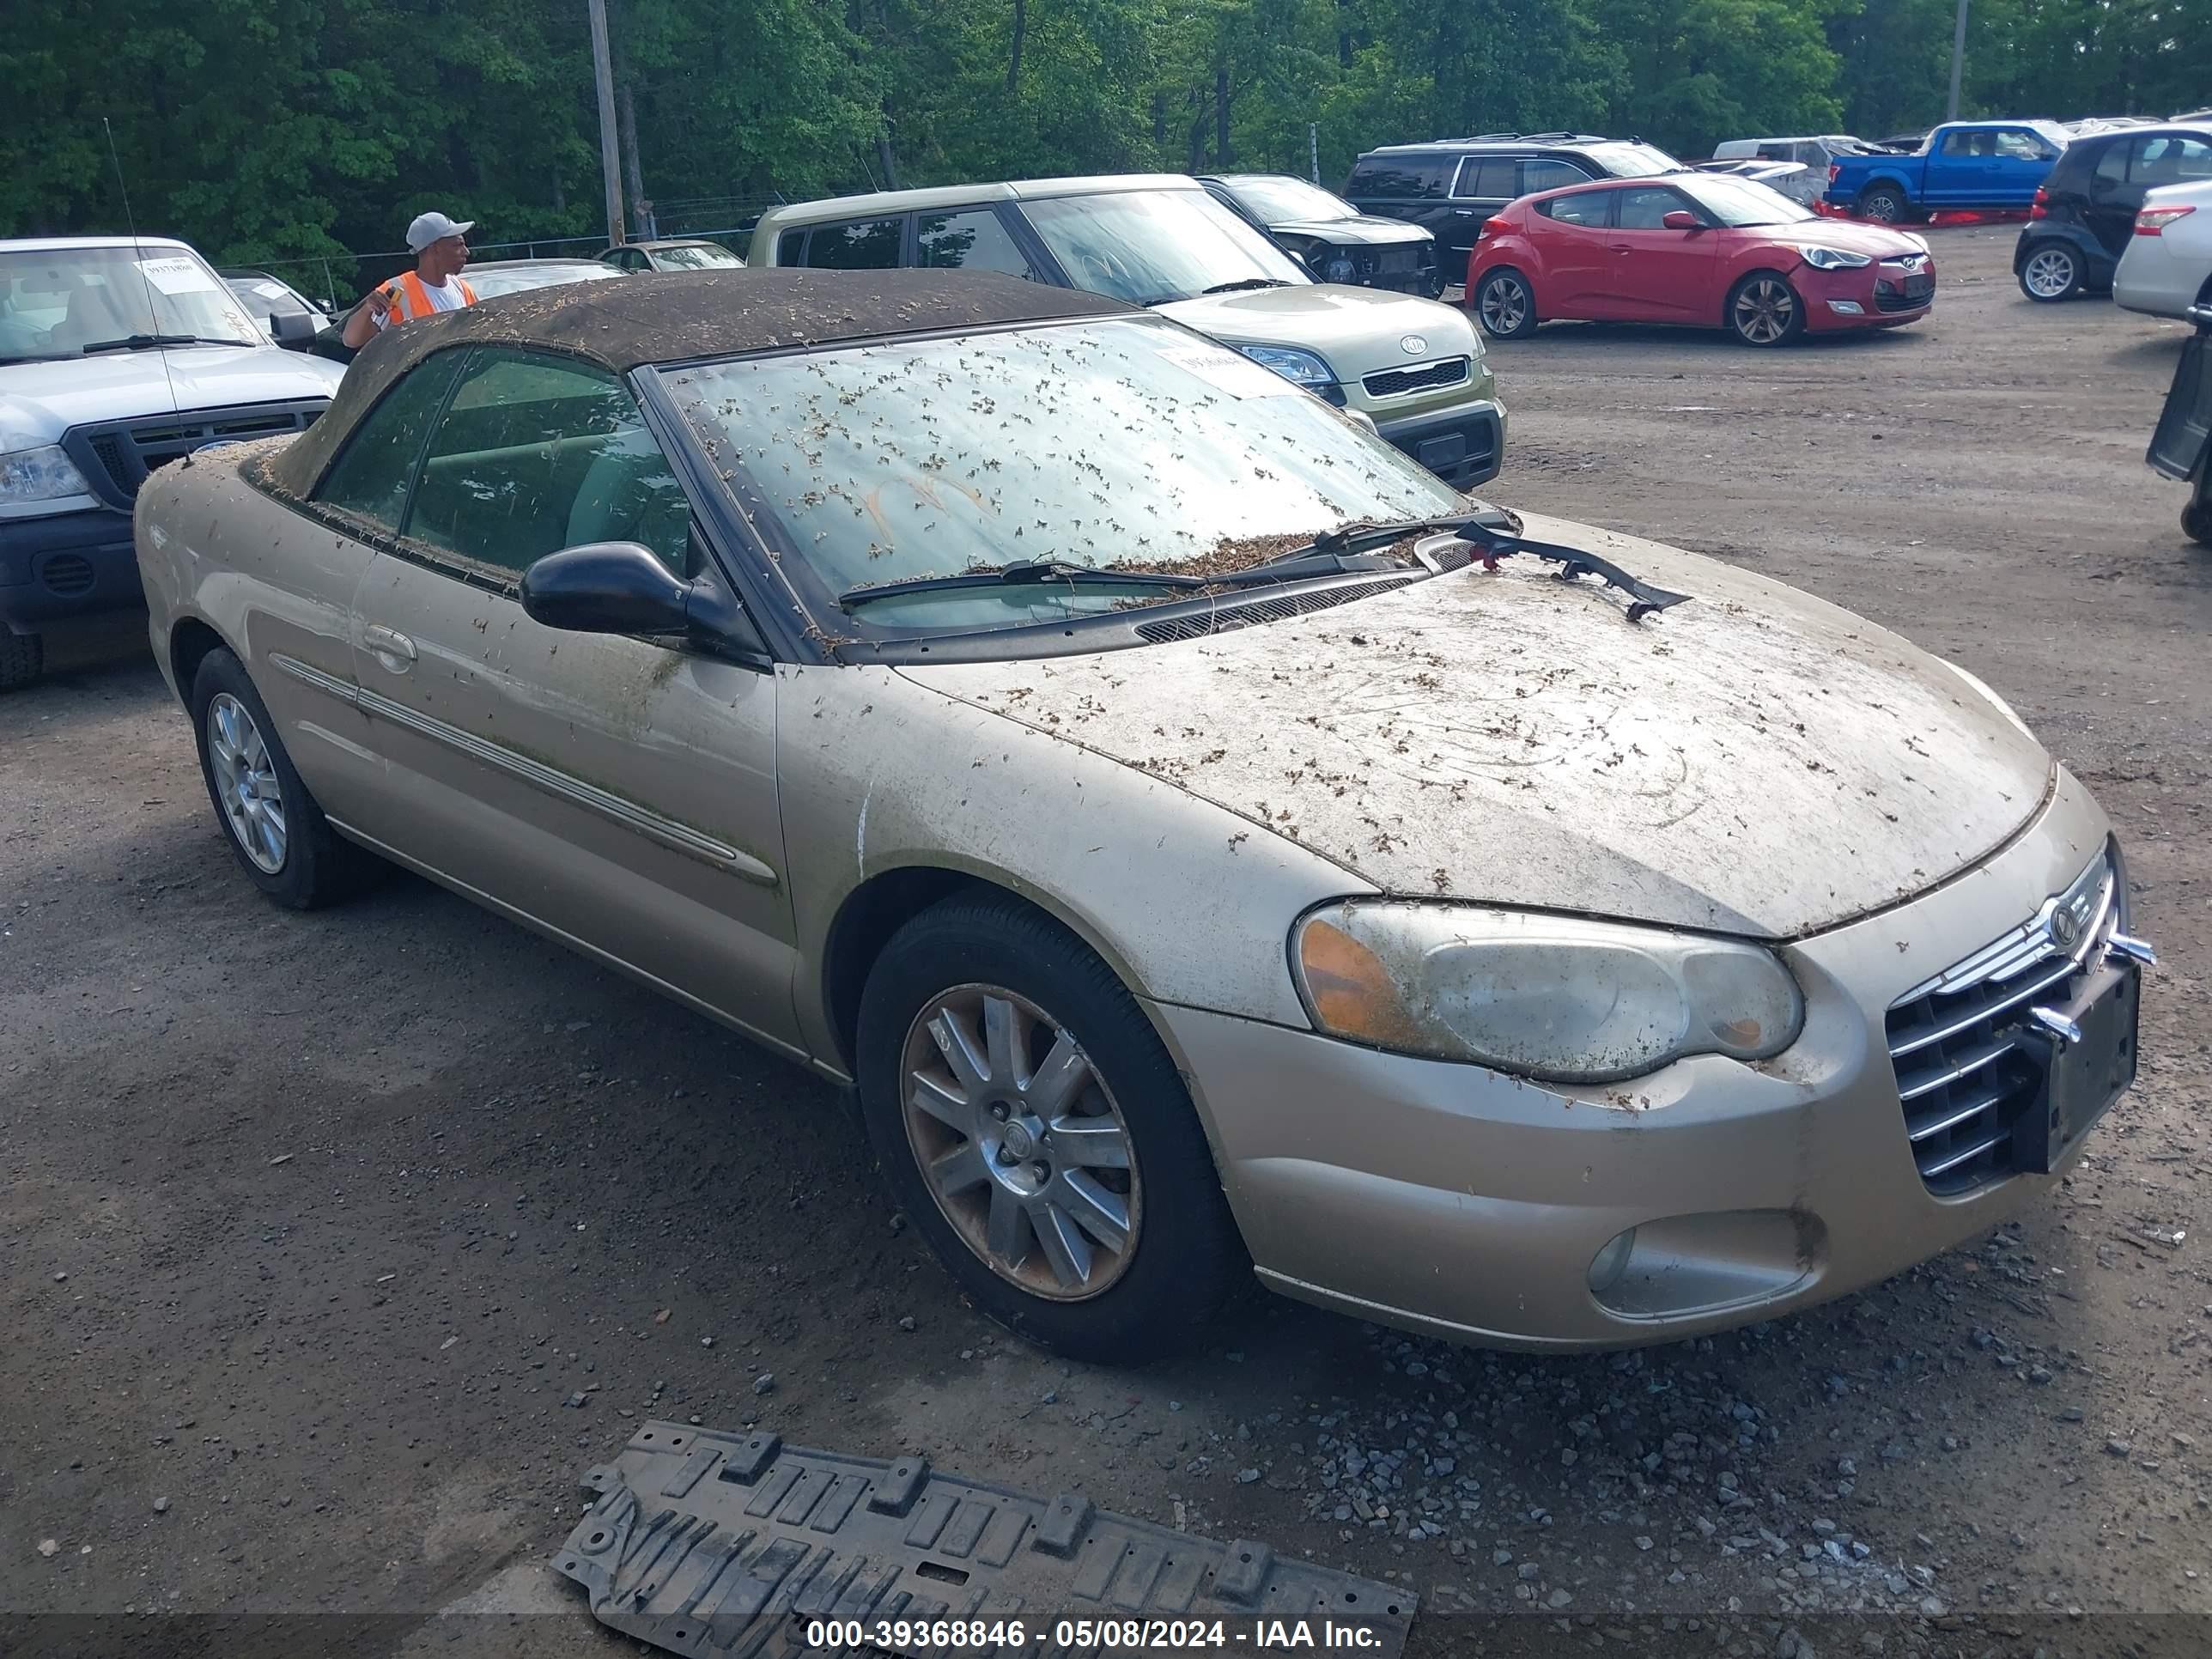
1966	1081
1393	382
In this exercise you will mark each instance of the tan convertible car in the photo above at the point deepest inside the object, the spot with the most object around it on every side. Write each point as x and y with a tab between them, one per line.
1210	845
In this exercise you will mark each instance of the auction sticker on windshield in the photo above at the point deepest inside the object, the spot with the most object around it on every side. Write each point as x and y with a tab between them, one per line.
1226	371
176	274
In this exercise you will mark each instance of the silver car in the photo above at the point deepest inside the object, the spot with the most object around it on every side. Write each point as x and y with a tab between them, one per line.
1209	846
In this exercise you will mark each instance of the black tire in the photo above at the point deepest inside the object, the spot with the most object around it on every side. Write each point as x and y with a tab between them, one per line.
22	659
1883	203
2196	522
2052	273
317	866
1184	1259
1505	305
1758	303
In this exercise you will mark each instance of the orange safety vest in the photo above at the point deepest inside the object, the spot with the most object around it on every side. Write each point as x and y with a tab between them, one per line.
410	300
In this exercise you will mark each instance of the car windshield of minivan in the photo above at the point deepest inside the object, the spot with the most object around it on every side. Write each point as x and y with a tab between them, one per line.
60	302
1738	202
1123	445
1149	246
1292	201
1626	160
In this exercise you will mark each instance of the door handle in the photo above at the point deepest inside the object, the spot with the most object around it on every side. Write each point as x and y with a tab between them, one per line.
1622	247
1463	213
393	647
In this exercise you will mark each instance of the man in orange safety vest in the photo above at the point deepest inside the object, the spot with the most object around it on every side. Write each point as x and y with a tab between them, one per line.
440	249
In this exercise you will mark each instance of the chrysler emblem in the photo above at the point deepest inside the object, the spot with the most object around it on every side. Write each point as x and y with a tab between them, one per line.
2065	927
1412	345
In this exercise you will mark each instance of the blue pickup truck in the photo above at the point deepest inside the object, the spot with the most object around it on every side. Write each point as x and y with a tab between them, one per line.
1964	165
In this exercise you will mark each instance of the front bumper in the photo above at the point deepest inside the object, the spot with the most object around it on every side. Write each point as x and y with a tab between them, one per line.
1871	296
71	564
1464	447
1452	1201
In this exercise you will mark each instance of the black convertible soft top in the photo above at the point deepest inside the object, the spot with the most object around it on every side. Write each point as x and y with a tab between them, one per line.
661	317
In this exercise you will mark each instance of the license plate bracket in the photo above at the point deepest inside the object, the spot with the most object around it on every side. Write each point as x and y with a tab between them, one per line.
2080	1080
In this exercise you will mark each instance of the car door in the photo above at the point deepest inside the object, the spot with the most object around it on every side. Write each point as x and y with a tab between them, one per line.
1959	170
1480	186
302	622
1660	275
1575	279
2019	162
618	793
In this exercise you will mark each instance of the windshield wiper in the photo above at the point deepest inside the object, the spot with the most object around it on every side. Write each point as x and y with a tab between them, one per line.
1027	573
144	342
1482	531
1244	283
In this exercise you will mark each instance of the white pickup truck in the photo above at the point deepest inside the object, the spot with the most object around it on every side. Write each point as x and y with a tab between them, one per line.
117	356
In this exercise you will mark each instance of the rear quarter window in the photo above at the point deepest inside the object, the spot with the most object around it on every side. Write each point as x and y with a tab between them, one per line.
858	245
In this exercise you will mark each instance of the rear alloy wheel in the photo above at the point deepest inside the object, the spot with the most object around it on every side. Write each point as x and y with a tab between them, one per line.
1881	204
2051	273
22	659
1765	310
1504	306
1037	1132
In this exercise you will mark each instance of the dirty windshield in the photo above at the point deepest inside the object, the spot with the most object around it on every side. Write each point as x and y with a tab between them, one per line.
1150	246
54	302
1124	443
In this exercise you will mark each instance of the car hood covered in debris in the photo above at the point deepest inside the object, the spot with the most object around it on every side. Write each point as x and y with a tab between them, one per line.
1756	762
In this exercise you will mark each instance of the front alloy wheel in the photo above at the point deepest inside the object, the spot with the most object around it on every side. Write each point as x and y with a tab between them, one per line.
1021	1143
1032	1125
2051	274
1764	311
247	784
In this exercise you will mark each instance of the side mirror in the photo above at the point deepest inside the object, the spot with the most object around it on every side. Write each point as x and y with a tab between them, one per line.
606	588
619	588
293	330
1682	219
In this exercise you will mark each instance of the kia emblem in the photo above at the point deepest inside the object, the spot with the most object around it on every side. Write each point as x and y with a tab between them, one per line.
1412	345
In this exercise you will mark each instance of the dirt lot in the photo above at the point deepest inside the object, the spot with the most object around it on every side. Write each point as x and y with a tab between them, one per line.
311	1224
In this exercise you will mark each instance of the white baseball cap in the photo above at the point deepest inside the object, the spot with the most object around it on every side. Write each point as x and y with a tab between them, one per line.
430	227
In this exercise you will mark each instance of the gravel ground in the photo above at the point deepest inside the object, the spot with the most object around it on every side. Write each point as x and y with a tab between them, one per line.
335	1247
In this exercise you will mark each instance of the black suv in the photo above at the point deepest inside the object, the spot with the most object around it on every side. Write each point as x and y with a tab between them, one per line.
1451	187
2086	210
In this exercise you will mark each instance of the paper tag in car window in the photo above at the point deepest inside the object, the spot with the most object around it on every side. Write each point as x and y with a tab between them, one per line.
177	275
1231	372
268	291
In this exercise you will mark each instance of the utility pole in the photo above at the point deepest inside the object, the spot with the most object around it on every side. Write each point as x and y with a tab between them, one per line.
1957	59
1313	148
610	147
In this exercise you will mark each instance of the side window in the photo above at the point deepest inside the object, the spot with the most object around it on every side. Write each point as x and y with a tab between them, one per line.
1435	174
1645	208
791	247
537	453
1401	178
372	472
863	245
2170	159
975	240
1486	178
2112	162
1959	143
1776	153
2017	144
1584	208
1544	173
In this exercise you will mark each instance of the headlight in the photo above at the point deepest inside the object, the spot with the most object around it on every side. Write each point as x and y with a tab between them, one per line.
1302	367
43	474
1551	997
1832	258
